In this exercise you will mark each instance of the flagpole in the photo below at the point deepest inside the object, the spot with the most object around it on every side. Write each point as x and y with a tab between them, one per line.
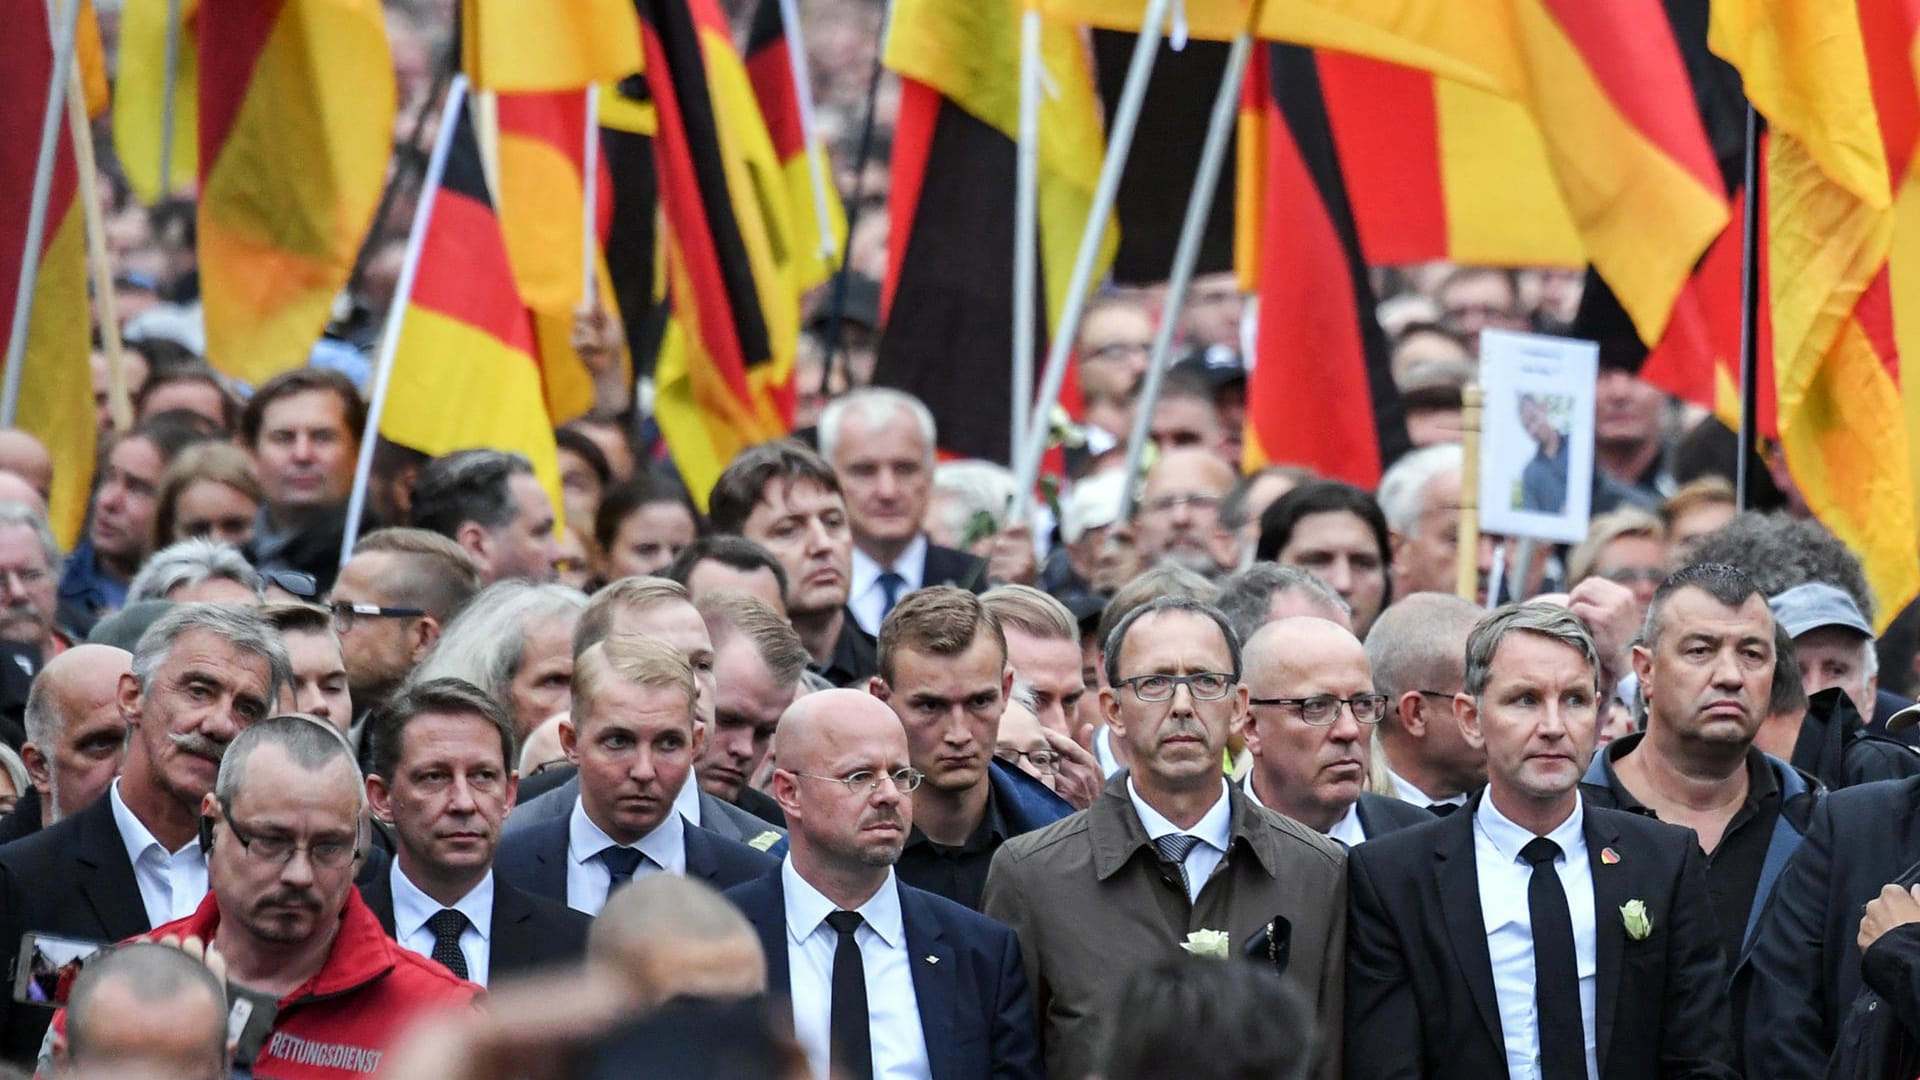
101	270
1119	141
837	307
1186	254
62	44
803	97
590	195
166	101
1750	285
1026	227
1466	562
402	293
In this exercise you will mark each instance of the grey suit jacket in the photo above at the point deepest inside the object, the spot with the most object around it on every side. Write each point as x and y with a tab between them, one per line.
716	816
1092	905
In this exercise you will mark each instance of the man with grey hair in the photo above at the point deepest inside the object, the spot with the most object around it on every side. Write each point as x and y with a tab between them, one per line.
1514	938
145	1009
880	443
515	642
76	736
201	675
1416	648
197	569
1268	592
29	579
490	503
1832	641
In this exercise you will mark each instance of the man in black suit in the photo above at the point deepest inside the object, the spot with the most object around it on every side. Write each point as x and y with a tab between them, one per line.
757	665
131	861
441	779
1534	935
1312	713
883	979
76	737
880	443
633	736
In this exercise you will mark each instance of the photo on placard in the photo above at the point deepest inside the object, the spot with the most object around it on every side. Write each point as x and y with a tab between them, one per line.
1536	445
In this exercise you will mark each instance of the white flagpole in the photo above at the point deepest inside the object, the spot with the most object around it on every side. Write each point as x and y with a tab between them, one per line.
803	97
590	194
1119	141
1026	227
1199	205
390	338
62	44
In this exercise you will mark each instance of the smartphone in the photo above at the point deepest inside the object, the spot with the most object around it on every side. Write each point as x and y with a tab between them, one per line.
47	966
249	1022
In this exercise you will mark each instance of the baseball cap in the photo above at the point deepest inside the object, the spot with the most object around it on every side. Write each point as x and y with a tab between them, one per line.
1817	604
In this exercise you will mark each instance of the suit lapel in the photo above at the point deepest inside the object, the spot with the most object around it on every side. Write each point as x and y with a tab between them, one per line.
509	944
108	882
1458	884
765	906
700	858
934	970
378	896
550	860
1611	885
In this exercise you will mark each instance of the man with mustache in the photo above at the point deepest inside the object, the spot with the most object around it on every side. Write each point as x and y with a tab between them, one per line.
1178	519
1171	854
131	861
29	561
876	970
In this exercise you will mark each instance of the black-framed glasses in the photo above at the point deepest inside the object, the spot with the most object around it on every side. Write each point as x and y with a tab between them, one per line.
345	612
277	850
295	582
1044	760
867	781
1203	685
1447	695
1322	709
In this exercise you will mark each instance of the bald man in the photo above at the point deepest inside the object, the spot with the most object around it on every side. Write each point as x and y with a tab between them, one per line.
16	488
76	736
877	971
26	457
1178	518
667	936
1310	723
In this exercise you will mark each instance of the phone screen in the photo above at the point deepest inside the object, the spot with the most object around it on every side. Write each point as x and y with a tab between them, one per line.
48	966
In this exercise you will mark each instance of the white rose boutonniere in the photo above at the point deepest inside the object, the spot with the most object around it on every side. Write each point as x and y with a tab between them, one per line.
1211	943
1633	916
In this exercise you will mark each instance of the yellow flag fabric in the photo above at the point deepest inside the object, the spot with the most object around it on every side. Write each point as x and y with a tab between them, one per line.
1213	20
536	45
91	54
56	388
140	96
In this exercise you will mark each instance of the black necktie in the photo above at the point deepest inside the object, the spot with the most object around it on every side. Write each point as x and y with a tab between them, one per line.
447	926
851	1040
890	584
1442	809
1174	847
1556	986
621	862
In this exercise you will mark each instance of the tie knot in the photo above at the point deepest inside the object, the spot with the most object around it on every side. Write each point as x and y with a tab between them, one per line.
1174	847
1540	850
621	862
1442	809
447	924
845	923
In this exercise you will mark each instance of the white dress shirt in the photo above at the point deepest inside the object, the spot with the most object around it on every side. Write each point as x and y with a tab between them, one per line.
172	883
1103	752
1347	830
687	803
589	880
1503	877
867	599
893	1009
1214	830
1405	791
412	908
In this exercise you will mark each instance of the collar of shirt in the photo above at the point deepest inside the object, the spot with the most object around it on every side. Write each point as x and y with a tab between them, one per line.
992	827
665	845
687	802
807	908
911	566
1215	827
1405	791
134	832
1761	783
1508	838
412	908
1347	830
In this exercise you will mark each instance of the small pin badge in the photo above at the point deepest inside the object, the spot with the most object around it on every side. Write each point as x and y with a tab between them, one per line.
933	959
1608	856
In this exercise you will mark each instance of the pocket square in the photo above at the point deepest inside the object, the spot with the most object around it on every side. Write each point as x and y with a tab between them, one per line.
1273	944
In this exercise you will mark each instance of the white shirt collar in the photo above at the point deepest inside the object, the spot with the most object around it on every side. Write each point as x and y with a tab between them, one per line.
1508	838
1347	830
1406	791
687	802
911	566
665	845
134	832
1215	827
412	908
807	908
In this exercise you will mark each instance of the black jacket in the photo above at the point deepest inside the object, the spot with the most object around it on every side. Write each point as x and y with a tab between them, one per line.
1383	814
528	933
1880	1038
1835	746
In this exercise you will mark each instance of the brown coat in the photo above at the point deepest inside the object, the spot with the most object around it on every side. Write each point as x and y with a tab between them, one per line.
1090	904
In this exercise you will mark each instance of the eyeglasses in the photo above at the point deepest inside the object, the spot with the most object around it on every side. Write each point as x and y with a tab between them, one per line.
1044	760
866	781
1203	685
1167	504
1446	694
1629	575
1322	709
278	850
293	581
345	612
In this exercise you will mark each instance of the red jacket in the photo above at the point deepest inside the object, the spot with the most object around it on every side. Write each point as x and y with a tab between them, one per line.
341	1022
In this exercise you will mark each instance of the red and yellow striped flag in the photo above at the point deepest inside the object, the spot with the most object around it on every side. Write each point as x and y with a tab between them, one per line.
296	105
770	66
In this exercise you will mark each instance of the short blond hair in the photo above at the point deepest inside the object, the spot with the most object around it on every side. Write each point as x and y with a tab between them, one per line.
632	658
628	593
730	611
1620	524
1032	612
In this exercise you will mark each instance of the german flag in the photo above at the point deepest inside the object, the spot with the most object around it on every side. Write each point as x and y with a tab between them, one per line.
770	66
465	373
296	125
1322	394
724	375
56	394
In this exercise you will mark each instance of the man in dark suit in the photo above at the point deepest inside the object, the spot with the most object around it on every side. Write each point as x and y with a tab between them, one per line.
1311	718
633	736
76	737
1534	935
757	665
884	979
441	779
132	860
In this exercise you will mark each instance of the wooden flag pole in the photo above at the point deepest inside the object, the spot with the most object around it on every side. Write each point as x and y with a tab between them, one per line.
1026	227
396	314
1466	565
589	196
100	268
1119	142
63	42
1213	155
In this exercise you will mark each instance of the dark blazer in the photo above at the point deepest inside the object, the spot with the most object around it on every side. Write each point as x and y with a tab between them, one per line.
25	820
1418	965
528	933
1383	814
71	879
1880	1036
1836	747
950	566
535	859
975	1010
1802	969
